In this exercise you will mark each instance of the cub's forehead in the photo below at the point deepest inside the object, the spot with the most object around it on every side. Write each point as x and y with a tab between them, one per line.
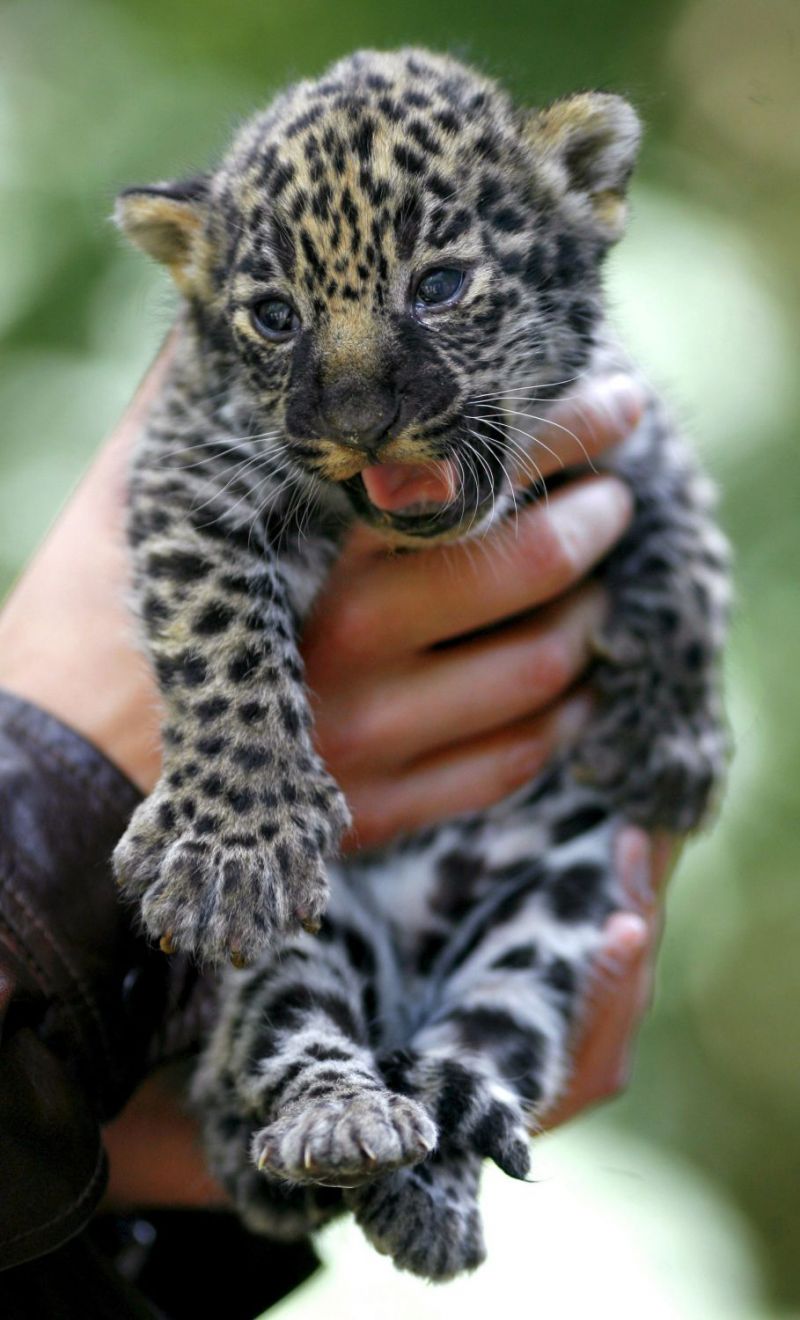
385	151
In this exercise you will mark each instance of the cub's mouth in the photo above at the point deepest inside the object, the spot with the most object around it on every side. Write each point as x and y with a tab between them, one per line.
412	499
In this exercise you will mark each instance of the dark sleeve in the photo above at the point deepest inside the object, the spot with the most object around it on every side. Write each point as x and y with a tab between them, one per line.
84	996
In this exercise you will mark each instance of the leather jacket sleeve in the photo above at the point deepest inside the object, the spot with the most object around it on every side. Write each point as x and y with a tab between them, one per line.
83	998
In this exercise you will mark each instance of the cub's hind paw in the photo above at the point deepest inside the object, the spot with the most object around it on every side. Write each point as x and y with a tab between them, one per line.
344	1140
427	1218
659	781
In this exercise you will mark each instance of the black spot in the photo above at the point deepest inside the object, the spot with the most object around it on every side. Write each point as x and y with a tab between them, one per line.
211	707
522	958
290	718
457	876
193	669
391	109
486	146
251	712
535	271
695	657
429	948
212	785
418	100
582	317
395	1068
327	1054
245	665
578	822
303	121
154	610
575	892
206	824
179	566
561	976
440	186
241	799
508	221
295	1002
361	956
458	225
517	1050
570	262
491	1131
252	757
409	160
214	618
211	746
281	178
240	840
422	135
363	139
311	254
166	816
447	120
457	1089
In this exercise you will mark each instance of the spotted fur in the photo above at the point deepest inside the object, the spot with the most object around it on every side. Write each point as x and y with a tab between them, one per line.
426	1026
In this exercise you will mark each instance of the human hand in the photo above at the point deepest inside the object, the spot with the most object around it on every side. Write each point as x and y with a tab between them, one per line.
411	731
621	986
471	720
154	1146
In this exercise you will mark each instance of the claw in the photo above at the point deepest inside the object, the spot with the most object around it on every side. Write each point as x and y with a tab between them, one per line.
263	1157
238	960
309	923
166	944
370	1154
308	1159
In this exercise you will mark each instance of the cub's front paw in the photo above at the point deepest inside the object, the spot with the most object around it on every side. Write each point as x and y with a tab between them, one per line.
224	886
341	1142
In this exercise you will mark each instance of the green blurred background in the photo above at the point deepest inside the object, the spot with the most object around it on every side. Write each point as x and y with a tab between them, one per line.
682	1199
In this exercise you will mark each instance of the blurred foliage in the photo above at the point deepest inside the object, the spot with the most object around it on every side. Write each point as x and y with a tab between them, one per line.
94	95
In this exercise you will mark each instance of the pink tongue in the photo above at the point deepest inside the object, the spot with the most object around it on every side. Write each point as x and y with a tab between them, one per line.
393	486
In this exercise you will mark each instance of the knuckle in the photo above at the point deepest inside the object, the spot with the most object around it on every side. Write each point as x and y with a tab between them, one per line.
549	666
517	766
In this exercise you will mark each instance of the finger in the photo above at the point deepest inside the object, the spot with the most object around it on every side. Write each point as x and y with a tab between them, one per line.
466	691
409	603
464	778
613	1012
577	430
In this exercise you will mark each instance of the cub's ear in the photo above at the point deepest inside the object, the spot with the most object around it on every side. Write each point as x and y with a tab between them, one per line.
165	221
588	145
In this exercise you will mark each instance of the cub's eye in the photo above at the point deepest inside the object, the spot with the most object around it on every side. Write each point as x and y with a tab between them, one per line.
439	286
275	319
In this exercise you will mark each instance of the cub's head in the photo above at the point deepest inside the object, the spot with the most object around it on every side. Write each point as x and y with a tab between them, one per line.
393	264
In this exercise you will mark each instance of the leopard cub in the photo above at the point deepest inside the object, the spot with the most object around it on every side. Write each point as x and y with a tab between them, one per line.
392	267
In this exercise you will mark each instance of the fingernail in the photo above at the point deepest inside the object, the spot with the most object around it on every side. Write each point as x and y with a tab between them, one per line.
625	938
628	933
592	514
623	399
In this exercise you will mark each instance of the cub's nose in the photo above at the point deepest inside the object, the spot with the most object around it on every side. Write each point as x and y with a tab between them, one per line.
358	416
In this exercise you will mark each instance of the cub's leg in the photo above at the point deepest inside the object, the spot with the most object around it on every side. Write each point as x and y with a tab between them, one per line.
491	1054
229	847
659	743
426	1218
294	1040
